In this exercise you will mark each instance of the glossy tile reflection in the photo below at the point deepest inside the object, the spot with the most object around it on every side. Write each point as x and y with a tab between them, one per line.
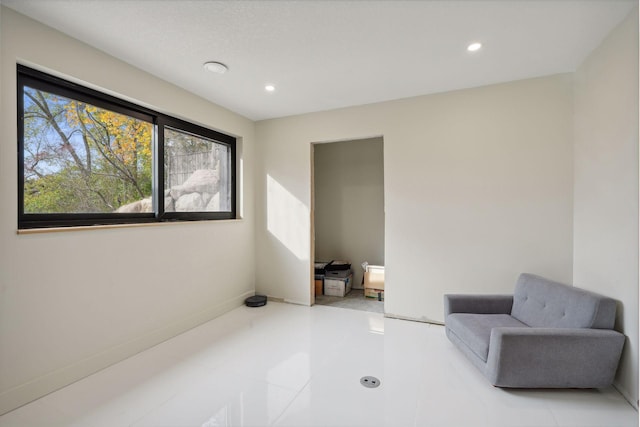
290	365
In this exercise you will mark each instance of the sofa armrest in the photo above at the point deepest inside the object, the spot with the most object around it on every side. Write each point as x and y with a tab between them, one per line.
479	304
553	357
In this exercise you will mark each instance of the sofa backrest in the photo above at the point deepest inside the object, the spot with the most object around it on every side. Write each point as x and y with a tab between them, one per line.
539	302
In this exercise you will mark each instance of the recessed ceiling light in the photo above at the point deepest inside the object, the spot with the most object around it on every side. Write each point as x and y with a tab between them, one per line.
215	67
473	47
269	88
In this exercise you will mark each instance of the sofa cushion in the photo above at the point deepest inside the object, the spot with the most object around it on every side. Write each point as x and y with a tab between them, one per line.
539	302
475	329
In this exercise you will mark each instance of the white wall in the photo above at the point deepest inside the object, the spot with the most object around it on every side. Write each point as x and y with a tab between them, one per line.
478	188
349	203
606	184
74	302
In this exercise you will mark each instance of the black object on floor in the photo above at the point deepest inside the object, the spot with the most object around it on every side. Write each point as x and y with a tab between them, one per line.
256	301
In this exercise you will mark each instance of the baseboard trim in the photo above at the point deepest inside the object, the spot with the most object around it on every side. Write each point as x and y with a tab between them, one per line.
413	319
286	301
627	396
43	385
289	301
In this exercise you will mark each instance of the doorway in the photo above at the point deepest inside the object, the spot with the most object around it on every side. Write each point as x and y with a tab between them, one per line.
348	217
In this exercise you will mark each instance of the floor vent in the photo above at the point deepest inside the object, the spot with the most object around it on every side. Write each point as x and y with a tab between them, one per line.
370	382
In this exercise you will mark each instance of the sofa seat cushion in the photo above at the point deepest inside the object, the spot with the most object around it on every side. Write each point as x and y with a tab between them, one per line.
475	329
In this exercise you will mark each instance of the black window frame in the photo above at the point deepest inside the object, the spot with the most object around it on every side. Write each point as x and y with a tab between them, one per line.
38	80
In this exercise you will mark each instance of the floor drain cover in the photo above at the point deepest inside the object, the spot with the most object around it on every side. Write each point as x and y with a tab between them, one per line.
370	382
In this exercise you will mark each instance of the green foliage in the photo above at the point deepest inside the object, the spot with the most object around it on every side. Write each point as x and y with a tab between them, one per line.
48	195
79	158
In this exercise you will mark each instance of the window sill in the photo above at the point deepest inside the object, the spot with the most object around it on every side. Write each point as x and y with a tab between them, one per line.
118	226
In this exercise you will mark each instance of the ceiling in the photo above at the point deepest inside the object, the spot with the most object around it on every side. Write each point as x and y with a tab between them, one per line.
322	55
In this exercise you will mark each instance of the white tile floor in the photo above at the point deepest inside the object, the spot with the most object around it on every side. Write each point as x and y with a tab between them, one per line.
288	365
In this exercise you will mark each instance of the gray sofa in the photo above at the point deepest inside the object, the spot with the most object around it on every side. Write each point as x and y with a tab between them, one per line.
545	335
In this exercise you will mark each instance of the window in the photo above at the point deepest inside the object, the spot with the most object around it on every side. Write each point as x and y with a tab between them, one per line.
87	158
196	173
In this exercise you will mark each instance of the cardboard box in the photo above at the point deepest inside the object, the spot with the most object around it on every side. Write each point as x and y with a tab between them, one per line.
319	283
374	277
374	293
337	287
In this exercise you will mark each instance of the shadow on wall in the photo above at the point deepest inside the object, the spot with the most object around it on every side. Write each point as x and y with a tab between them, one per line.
286	217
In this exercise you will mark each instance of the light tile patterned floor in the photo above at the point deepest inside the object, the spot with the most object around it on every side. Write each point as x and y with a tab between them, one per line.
289	365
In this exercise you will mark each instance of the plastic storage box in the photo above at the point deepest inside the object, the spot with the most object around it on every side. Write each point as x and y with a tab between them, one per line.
337	287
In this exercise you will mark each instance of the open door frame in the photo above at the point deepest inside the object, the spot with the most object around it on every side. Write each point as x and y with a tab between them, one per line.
312	221
312	239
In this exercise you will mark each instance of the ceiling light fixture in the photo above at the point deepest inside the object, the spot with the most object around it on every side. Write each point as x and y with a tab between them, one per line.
269	88
215	67
473	47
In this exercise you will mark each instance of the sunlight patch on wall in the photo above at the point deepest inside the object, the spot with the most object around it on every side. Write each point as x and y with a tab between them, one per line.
287	219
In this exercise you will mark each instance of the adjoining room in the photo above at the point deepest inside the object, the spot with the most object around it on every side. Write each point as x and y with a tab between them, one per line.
348	212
